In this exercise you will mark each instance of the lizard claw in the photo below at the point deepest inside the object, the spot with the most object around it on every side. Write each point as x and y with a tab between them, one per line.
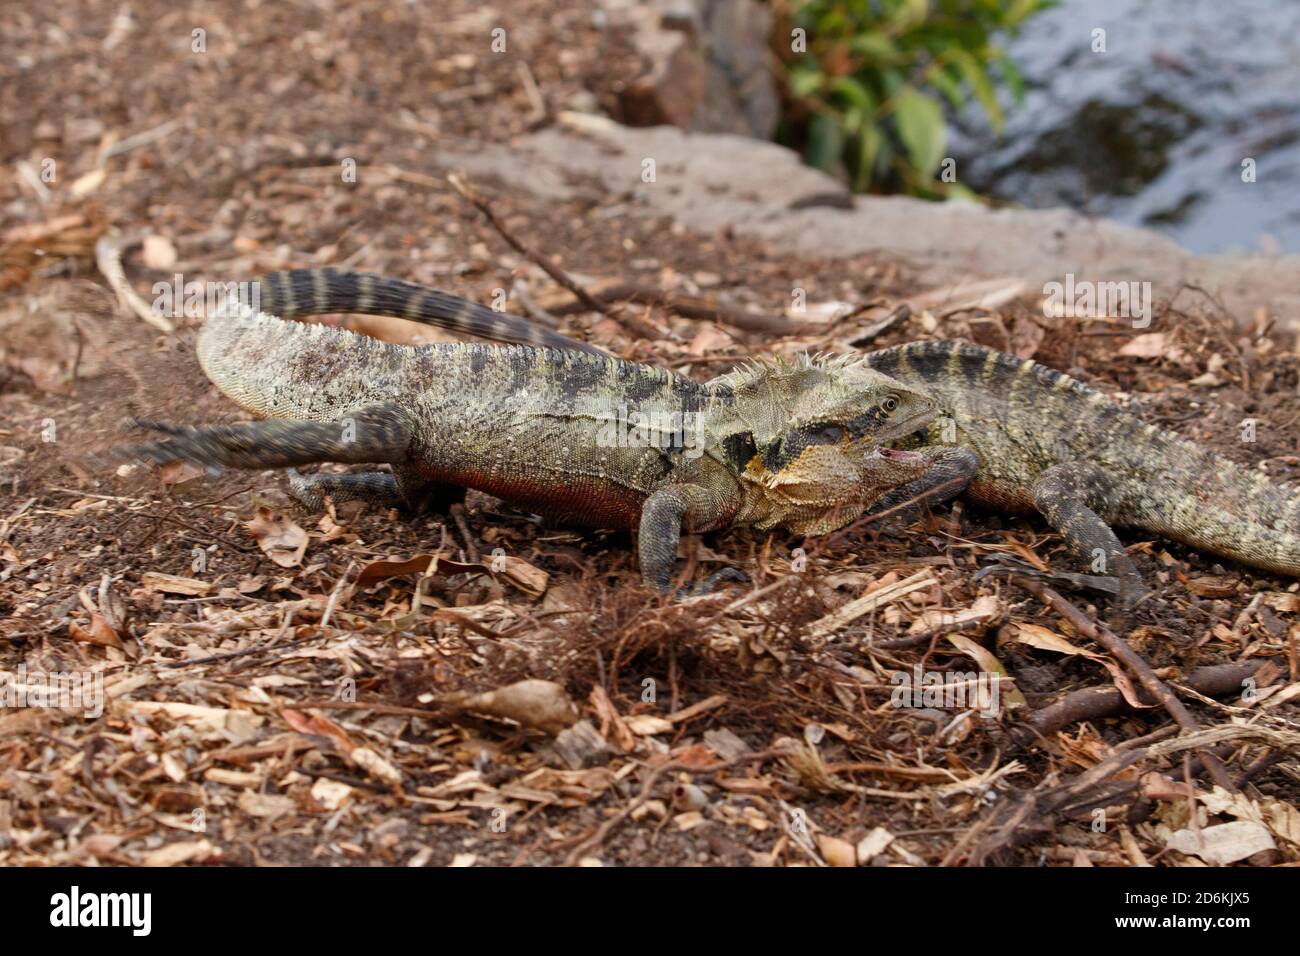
713	580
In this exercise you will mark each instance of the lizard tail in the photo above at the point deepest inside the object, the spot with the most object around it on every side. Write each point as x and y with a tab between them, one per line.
302	292
1233	511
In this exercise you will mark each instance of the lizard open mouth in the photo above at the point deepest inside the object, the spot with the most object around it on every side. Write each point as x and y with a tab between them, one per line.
894	454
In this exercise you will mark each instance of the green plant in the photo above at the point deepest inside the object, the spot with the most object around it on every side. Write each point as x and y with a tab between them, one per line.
864	80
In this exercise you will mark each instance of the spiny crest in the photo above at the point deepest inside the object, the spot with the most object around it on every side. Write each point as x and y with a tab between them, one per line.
763	369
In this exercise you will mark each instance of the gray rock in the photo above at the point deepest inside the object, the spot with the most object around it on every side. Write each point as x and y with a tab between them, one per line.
708	65
758	190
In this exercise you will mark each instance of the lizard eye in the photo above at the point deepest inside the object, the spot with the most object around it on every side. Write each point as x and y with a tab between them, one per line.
890	404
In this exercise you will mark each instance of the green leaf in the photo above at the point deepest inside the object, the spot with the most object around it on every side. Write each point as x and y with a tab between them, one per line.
806	82
855	94
870	141
910	13
825	142
960	193
950	87
1020	9
921	128
873	44
1011	76
973	72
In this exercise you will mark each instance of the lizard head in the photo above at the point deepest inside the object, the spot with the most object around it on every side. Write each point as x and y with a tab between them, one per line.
811	437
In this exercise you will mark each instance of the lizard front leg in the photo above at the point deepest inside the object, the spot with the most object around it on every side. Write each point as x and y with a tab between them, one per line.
1077	500
663	516
950	471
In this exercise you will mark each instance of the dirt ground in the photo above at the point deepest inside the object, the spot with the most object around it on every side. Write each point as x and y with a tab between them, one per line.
278	694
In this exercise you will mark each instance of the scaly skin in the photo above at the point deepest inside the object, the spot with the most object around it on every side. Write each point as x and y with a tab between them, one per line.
297	293
795	445
1044	441
1018	436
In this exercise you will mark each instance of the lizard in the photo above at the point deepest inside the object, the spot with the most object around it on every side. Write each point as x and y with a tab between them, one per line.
1015	435
582	438
298	293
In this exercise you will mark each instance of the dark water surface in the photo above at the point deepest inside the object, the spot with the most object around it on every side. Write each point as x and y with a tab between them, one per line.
1153	131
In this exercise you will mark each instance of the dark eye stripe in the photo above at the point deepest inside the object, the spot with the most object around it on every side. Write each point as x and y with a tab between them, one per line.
738	450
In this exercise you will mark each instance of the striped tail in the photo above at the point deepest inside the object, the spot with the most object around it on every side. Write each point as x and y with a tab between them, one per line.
301	292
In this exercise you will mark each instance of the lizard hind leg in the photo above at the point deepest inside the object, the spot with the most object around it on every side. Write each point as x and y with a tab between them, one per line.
1077	499
401	488
378	433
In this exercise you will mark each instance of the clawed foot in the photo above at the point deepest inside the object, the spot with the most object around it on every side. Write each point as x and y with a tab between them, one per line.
712	581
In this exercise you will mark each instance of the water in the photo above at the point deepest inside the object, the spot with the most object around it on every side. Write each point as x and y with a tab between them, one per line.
1153	131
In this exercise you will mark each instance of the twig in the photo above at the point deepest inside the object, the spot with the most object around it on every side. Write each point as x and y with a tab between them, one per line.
1093	702
459	184
139	139
108	257
7	526
690	306
457	512
629	322
534	93
346	578
1137	665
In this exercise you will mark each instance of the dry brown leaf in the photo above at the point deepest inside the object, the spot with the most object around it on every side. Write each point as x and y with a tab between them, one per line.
1026	337
282	541
873	844
1035	635
99	632
835	851
178	473
990	665
317	726
1147	345
1223	843
527	578
1213	586
541	704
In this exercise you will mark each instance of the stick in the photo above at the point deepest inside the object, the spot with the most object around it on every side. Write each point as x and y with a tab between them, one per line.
1137	665
108	257
555	272
690	306
630	323
1093	702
